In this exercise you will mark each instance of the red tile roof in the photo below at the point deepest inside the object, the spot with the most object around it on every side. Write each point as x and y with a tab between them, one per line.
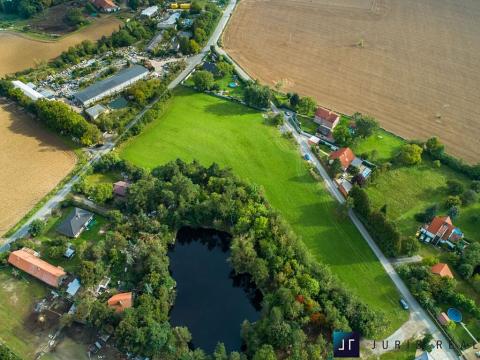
121	301
104	4
345	155
120	188
26	260
442	269
441	226
327	115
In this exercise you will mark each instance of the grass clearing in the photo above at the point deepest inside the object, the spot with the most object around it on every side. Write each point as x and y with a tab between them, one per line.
18	297
384	143
209	129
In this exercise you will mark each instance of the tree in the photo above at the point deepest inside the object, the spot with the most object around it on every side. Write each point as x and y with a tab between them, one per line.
74	17
434	146
257	95
36	227
196	7
220	352
224	69
336	167
294	100
203	80
425	342
361	203
306	106
475	186
453	201
410	154
465	270
366	126
342	135
454	187
266	352
453	212
469	197
101	193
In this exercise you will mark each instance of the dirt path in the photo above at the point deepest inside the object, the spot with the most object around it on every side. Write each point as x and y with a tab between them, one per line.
418	71
32	161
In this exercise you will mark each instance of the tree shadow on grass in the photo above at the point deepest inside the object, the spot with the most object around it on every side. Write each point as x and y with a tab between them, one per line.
226	108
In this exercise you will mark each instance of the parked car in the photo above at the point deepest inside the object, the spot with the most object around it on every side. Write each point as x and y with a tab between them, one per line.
307	157
404	304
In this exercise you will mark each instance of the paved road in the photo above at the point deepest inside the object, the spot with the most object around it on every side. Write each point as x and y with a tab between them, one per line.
53	202
419	320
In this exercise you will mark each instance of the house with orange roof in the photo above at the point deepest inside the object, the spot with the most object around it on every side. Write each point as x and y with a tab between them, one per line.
29	261
327	120
120	302
107	6
442	270
440	230
345	156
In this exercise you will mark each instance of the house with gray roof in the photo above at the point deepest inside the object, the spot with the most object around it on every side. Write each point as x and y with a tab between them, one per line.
73	225
111	85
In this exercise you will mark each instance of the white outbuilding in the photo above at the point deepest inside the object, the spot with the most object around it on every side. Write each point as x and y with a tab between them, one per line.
27	90
150	11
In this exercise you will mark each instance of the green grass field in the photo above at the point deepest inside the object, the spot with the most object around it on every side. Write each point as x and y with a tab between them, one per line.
18	297
202	127
385	144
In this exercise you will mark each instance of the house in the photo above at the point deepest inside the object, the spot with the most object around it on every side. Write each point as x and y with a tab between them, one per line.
344	186
73	287
344	155
313	140
440	229
107	6
210	67
442	269
28	91
121	301
149	11
75	222
28	260
443	319
327	120
120	188
95	111
424	356
170	22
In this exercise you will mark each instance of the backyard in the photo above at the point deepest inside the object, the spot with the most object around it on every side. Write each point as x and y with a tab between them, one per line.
208	129
18	296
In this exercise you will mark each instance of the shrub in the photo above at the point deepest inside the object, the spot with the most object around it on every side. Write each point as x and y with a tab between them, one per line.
203	80
475	186
454	187
465	270
453	201
410	154
437	163
36	227
469	197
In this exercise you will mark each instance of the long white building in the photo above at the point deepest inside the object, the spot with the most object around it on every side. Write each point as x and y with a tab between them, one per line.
27	90
111	85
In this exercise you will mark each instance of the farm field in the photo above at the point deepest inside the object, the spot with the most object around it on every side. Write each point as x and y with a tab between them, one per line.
202	127
20	52
33	161
412	65
18	299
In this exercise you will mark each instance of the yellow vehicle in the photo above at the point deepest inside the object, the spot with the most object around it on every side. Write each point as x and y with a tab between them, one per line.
185	6
173	6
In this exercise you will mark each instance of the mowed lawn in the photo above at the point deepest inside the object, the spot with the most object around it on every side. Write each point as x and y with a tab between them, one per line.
18	297
208	129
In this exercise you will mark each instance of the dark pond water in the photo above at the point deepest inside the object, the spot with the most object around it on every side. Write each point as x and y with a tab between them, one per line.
211	301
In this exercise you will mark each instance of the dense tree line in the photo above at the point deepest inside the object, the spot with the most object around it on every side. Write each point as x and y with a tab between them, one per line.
56	115
384	231
26	8
7	354
144	92
302	301
257	95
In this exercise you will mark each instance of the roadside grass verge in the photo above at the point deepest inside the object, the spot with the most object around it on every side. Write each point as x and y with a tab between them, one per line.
209	129
18	296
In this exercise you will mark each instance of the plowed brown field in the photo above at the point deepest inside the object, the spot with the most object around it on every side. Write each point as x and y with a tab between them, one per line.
418	71
32	162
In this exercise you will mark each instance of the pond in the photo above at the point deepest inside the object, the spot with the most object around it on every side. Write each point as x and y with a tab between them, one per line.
211	301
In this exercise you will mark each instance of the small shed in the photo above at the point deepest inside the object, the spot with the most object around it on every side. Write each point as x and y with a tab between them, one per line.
73	287
150	11
443	319
313	140
69	252
120	188
95	111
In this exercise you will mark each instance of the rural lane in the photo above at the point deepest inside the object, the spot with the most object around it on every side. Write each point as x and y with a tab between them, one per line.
53	202
419	320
